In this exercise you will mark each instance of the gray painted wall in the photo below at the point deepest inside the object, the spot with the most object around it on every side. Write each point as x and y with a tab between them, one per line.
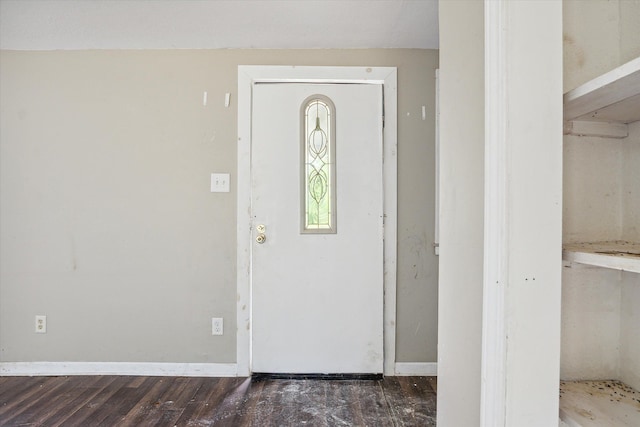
106	220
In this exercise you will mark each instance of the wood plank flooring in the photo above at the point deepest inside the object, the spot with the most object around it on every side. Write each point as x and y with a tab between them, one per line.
178	401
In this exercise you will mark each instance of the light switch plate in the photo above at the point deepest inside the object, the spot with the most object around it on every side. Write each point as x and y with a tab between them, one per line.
219	182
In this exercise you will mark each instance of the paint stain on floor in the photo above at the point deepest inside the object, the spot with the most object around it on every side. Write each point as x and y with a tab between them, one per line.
599	403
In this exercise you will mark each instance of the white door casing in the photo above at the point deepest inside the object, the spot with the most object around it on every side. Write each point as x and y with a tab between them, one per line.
317	299
248	77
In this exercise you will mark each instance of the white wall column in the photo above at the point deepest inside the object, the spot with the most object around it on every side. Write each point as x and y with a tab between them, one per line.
501	212
523	212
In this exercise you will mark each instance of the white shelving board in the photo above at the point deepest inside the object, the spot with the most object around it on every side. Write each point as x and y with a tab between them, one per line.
618	255
599	403
613	97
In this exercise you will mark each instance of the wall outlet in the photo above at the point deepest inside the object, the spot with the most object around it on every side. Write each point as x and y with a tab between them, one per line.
41	324
217	326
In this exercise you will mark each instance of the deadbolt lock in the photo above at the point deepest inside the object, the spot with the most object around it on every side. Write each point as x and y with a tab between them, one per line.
261	228
261	238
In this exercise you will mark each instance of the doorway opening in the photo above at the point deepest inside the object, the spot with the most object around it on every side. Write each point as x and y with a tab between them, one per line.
248	78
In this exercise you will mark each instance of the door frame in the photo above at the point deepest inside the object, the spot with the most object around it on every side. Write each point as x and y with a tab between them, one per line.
248	75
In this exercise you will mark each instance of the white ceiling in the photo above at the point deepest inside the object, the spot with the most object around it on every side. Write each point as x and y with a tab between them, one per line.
213	24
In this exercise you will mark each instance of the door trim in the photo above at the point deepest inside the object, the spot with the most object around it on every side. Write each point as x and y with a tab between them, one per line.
248	75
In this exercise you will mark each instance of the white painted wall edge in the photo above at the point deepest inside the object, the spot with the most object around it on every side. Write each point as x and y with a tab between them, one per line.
118	368
416	368
436	234
493	391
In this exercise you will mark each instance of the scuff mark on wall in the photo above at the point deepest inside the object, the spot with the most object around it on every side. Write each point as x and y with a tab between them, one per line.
572	52
74	257
418	248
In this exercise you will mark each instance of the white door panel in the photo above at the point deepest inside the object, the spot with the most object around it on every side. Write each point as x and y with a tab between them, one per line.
317	299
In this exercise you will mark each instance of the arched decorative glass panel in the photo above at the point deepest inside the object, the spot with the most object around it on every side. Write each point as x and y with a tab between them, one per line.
318	166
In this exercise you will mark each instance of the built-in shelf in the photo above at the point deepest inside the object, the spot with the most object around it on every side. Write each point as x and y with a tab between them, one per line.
599	403
618	255
606	104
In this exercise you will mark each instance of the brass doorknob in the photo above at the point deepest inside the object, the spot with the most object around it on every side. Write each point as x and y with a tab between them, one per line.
261	238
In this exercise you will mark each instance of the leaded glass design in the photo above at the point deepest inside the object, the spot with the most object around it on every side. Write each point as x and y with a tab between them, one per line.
319	168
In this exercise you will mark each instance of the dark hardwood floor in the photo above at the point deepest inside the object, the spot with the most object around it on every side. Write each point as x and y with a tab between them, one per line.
178	401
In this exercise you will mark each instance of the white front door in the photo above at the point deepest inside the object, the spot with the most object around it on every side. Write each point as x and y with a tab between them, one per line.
317	297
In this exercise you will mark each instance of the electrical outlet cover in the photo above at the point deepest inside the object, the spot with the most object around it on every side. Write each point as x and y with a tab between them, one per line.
41	324
217	326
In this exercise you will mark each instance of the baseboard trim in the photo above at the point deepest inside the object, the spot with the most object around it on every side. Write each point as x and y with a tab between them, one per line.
163	369
33	369
416	368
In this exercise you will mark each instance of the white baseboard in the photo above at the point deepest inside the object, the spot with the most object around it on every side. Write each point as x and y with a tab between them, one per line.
163	369
416	368
118	368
